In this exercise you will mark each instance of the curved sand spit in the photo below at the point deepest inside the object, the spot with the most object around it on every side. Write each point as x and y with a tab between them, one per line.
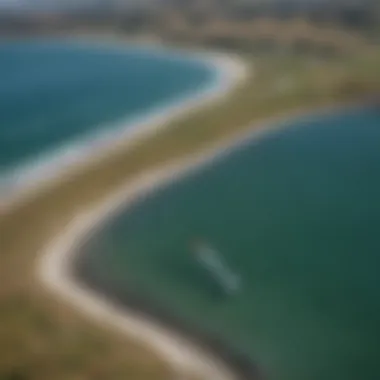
189	361
53	270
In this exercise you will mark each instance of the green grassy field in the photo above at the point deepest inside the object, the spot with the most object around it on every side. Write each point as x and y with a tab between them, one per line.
44	339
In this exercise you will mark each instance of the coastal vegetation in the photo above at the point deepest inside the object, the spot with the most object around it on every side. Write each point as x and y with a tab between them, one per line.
42	338
297	64
244	24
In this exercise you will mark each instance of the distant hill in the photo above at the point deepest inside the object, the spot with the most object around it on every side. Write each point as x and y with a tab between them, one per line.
165	17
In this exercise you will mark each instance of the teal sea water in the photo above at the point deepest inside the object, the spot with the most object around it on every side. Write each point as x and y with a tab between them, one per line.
53	93
297	214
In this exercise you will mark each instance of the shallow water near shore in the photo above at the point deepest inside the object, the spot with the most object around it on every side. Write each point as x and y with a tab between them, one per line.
297	214
57	95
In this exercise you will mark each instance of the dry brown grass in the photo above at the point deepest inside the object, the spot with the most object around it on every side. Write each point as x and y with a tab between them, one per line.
284	34
43	339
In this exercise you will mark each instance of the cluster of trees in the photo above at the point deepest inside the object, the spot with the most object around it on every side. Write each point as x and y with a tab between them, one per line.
361	15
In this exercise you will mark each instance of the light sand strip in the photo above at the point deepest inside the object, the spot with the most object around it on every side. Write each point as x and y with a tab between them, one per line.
54	266
53	269
54	272
24	183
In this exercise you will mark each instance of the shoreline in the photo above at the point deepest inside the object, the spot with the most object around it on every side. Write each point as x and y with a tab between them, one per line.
183	357
68	158
57	273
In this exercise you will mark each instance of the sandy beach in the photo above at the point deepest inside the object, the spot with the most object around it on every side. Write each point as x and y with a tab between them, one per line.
53	269
58	323
54	272
50	167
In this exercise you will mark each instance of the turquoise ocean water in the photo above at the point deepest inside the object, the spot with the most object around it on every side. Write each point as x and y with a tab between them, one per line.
55	93
297	214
